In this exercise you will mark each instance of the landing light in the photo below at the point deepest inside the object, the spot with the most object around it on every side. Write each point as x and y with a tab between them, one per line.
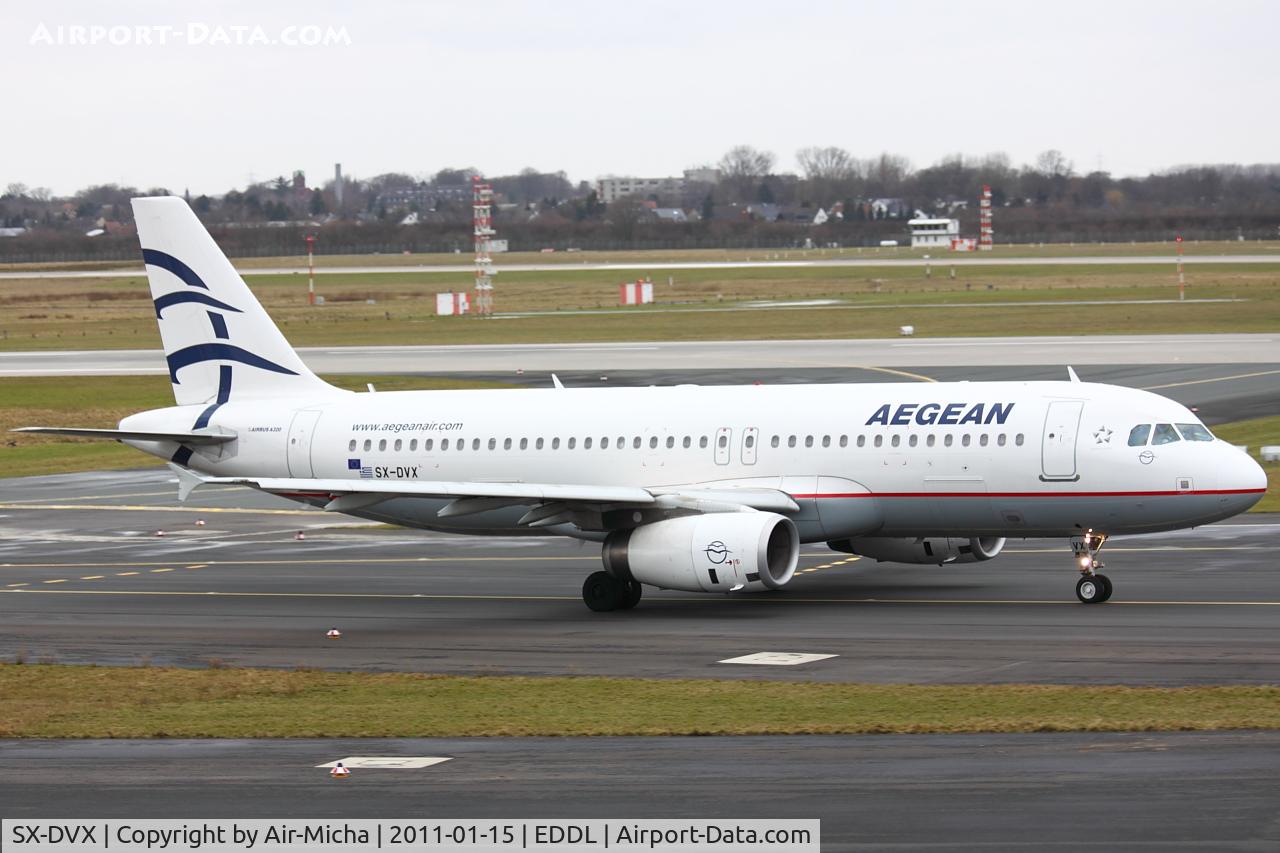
1084	562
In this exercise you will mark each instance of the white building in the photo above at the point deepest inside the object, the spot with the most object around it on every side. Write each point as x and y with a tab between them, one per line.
927	233
612	189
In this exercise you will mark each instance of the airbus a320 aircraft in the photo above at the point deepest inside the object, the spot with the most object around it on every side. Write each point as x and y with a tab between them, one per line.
703	489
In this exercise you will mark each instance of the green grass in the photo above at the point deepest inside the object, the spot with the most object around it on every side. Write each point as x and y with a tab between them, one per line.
106	313
78	702
101	402
1256	433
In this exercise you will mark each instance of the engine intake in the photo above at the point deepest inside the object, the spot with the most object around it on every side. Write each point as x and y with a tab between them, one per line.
927	550
715	552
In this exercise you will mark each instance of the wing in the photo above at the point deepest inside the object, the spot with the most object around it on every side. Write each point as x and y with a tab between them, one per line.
551	503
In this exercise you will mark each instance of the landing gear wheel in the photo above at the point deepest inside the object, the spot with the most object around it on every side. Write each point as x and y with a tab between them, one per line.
1106	586
603	592
1090	589
631	596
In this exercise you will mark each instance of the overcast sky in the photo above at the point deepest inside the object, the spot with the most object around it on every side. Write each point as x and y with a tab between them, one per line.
639	88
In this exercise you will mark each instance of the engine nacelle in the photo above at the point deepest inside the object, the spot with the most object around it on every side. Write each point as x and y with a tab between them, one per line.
926	550
715	552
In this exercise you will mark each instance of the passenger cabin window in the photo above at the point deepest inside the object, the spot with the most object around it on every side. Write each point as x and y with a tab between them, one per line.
1195	432
702	443
444	444
352	445
844	441
1164	434
413	444
426	445
862	441
506	444
368	444
586	443
1018	440
688	442
382	444
524	444
791	441
493	444
537	445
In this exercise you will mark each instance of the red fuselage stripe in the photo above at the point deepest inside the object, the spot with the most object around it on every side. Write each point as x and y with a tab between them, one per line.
1032	494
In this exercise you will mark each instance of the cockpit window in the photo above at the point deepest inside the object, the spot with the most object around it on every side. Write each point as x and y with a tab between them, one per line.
1195	432
1138	435
1164	434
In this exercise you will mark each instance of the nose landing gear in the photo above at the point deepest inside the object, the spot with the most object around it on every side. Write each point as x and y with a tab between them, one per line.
1092	588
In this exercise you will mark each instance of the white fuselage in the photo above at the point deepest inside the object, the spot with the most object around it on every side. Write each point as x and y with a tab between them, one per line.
984	458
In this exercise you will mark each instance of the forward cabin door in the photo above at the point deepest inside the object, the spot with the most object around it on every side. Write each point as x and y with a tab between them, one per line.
1058	447
301	432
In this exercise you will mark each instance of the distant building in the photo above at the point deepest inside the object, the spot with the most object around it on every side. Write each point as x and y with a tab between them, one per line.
927	233
612	189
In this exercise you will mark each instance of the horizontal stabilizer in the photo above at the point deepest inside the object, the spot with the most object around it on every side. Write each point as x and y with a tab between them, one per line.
192	438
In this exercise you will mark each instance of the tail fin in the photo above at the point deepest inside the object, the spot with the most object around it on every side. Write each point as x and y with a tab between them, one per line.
218	340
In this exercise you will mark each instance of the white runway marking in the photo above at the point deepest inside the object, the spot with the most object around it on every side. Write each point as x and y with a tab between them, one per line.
386	762
777	658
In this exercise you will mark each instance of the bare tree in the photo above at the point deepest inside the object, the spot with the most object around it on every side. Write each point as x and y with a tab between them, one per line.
745	162
1054	164
826	164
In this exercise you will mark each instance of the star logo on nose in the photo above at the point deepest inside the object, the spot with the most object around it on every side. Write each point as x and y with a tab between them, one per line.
1102	436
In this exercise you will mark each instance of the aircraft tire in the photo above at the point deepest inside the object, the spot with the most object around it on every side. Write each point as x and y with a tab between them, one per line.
1106	586
1090	589
603	592
631	595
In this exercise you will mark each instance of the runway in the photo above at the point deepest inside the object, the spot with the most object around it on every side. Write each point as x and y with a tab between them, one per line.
1172	351
85	579
910	792
871	259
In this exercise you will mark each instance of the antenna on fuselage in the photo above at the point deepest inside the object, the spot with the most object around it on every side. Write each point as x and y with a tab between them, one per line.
1071	374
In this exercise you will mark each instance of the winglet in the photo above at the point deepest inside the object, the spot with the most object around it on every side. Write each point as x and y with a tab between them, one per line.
188	481
1071	374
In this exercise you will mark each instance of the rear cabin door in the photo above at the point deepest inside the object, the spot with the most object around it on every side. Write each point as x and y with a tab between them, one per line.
301	431
1058	450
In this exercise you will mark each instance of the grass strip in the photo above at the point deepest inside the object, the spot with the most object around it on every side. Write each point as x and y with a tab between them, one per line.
80	702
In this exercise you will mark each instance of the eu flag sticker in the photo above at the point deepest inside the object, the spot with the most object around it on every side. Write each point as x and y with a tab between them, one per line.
353	464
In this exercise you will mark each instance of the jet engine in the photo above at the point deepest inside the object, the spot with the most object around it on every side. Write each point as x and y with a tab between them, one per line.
925	550
714	552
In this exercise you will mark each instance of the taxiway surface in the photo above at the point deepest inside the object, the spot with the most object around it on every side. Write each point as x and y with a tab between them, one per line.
1212	791
84	578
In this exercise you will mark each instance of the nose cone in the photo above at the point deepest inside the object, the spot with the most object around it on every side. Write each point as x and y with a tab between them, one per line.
1247	478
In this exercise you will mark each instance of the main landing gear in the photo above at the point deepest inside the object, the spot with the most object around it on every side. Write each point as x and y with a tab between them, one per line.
603	592
1092	588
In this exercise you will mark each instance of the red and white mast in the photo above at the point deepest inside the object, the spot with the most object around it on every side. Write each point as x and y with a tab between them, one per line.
985	231
482	220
